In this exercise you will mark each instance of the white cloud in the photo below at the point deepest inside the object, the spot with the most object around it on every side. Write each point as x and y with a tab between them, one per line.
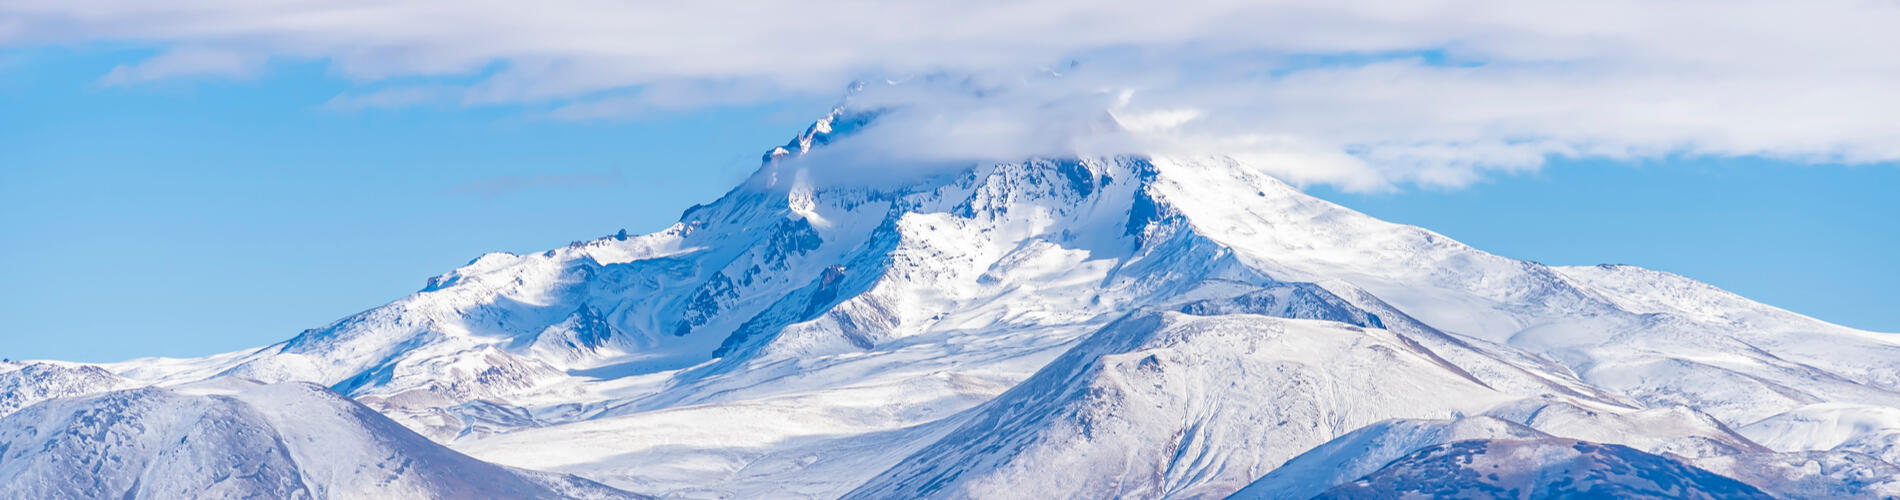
1365	94
185	61
668	96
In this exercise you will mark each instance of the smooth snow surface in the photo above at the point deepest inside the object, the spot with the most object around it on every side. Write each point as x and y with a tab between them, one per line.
1140	327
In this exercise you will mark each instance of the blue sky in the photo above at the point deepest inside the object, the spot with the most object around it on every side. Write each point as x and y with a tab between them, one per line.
177	192
200	217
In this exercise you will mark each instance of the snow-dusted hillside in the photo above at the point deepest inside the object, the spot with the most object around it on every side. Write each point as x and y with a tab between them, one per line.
22	384
1367	449
1541	468
290	440
1137	326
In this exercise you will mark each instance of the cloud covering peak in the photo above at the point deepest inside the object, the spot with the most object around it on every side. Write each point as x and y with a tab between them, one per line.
1366	95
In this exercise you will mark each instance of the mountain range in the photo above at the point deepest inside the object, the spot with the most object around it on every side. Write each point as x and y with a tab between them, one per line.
1128	326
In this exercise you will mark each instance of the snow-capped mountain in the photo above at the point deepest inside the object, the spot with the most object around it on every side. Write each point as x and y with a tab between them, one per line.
1129	326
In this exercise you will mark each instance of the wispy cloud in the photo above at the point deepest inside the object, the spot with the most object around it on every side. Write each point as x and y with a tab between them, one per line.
1366	94
667	97
187	61
392	97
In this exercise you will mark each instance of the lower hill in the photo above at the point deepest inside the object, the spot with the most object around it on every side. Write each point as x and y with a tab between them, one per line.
1540	468
243	440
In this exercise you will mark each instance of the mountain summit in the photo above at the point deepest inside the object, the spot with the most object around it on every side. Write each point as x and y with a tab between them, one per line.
1118	326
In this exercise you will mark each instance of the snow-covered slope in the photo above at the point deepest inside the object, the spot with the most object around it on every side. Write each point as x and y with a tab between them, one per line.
1873	430
268	441
1170	405
1155	326
1810	474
